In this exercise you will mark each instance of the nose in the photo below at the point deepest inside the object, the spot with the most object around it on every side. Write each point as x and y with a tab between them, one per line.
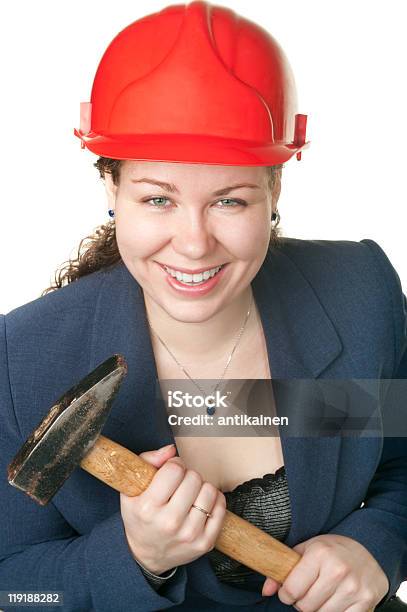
193	236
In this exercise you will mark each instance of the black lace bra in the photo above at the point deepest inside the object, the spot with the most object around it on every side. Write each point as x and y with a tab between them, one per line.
264	502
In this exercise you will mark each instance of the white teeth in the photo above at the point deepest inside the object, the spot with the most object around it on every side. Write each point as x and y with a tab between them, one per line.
192	278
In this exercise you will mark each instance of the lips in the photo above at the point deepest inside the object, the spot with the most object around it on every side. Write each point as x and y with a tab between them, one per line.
186	271
195	278
192	289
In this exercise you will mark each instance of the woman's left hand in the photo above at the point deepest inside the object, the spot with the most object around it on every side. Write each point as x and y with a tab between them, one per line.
335	574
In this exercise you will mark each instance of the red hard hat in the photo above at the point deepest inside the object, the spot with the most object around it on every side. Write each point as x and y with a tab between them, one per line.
194	83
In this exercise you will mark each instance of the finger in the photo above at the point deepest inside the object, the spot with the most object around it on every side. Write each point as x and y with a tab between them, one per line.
336	603
159	456
319	594
213	524
300	579
346	599
185	495
165	482
206	500
361	608
270	587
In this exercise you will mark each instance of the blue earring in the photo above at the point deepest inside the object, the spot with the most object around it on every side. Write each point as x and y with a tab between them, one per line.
111	212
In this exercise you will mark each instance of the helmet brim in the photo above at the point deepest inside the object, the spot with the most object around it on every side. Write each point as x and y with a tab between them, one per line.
186	148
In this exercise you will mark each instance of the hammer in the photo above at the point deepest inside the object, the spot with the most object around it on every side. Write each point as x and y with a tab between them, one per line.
70	436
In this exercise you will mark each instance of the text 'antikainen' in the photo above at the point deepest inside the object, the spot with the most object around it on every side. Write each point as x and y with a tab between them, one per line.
236	419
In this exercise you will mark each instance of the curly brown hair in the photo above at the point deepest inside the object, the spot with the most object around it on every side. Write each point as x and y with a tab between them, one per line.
100	250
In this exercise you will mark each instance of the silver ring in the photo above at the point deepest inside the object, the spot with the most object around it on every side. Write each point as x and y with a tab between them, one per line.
208	514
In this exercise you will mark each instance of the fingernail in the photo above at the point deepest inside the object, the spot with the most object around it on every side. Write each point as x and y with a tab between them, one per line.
164	448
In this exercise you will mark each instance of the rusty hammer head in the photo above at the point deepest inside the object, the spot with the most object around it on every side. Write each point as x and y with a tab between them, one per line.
67	433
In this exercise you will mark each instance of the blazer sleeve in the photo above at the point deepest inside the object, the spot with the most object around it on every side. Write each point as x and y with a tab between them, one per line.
40	551
381	524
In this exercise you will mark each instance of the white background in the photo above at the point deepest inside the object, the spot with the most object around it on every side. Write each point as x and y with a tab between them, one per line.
349	61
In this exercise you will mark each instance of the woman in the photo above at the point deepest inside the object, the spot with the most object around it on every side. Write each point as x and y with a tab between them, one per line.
191	136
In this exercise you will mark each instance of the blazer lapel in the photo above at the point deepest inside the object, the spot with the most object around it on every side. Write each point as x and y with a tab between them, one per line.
301	339
301	343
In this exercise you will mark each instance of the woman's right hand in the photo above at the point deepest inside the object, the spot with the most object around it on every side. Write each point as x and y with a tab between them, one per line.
162	529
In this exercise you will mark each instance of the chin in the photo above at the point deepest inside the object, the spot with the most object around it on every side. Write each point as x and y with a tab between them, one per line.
191	313
194	311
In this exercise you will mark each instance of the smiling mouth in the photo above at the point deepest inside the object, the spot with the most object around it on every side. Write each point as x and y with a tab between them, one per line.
195	278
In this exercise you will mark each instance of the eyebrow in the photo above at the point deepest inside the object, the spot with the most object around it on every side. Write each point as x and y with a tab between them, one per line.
173	189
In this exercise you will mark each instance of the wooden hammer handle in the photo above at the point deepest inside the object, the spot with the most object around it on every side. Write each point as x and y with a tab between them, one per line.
129	474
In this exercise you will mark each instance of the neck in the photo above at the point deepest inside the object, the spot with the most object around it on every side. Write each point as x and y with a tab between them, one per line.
212	339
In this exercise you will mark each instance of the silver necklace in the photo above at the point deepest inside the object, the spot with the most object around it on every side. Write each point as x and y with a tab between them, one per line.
210	410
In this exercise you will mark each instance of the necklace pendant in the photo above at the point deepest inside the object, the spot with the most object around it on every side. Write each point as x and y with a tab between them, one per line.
211	410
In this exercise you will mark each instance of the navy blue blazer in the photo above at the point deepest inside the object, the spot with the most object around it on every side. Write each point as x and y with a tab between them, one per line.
329	309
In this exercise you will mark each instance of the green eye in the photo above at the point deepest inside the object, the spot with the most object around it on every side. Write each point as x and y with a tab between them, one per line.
234	204
159	205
